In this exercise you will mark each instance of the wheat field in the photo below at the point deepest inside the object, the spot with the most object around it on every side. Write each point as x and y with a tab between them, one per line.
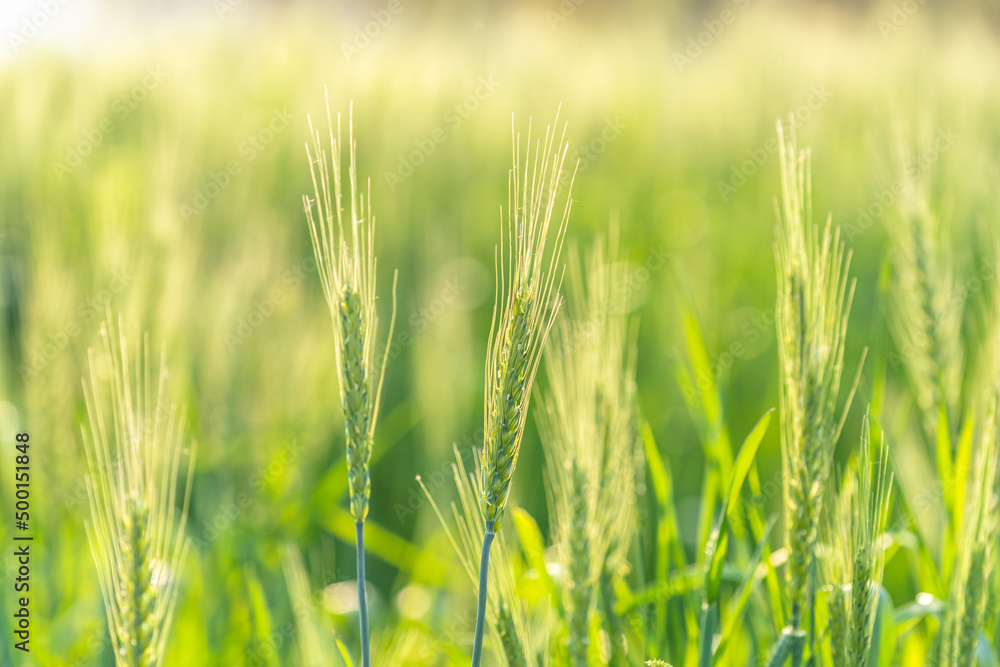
587	333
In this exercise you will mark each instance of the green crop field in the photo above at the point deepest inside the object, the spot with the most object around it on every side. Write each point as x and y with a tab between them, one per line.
694	421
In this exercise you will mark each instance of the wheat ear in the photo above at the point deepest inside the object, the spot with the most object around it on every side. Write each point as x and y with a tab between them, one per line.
855	559
136	533
969	586
347	268
925	305
588	432
814	299
525	307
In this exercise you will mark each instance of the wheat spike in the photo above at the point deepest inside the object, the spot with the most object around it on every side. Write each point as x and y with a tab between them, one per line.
925	305
588	432
136	533
969	586
854	560
526	305
343	247
814	300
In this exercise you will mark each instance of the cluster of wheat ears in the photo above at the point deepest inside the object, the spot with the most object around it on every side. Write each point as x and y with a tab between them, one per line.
597	451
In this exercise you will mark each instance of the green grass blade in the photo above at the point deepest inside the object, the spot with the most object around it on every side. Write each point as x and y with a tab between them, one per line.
263	628
883	646
748	454
534	549
737	606
344	653
718	542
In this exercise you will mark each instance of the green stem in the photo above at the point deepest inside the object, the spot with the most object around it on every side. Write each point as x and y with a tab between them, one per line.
707	634
484	568
797	650
812	609
362	595
791	644
614	623
875	649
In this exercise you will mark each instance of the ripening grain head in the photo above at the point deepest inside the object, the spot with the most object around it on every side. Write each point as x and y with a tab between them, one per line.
136	531
588	431
526	305
814	299
342	244
854	559
925	302
975	552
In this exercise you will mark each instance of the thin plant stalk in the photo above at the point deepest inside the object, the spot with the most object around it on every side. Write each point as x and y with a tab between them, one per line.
484	568
505	611
362	595
707	634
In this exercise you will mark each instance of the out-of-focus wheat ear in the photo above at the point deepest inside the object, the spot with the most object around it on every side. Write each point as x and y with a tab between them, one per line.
136	535
865	525
925	304
976	550
814	301
589	433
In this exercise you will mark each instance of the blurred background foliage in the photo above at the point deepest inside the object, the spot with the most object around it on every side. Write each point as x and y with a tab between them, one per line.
152	161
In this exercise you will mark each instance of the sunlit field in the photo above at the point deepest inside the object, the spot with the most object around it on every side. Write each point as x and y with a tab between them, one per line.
750	440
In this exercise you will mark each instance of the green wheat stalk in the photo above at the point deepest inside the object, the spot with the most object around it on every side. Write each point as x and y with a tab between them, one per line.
347	269
814	300
525	308
136	533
